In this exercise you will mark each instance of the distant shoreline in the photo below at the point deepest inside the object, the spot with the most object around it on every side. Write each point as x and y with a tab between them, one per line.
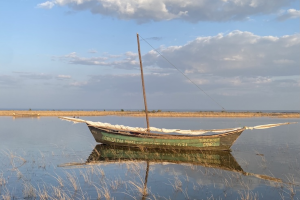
43	113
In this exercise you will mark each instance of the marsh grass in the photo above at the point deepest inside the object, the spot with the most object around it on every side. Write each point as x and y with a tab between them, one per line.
73	180
103	191
15	160
134	167
185	193
59	179
100	171
92	182
291	187
139	187
176	183
42	193
86	176
28	190
19	174
115	184
99	192
2	180
58	193
248	195
6	194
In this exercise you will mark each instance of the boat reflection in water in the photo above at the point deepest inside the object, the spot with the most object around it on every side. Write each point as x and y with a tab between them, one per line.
214	159
105	154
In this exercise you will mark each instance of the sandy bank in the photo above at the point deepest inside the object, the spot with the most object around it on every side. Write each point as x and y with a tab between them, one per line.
151	114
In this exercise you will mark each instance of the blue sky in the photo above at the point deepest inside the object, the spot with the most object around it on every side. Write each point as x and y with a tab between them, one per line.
82	54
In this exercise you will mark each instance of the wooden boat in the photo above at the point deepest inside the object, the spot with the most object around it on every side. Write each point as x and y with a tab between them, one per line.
219	139
152	140
216	139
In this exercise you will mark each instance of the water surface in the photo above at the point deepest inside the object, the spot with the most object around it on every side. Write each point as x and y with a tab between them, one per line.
34	152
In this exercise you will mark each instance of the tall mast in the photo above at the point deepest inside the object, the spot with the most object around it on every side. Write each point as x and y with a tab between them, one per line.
142	75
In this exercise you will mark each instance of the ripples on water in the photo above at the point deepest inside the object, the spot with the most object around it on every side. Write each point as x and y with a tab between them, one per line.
47	157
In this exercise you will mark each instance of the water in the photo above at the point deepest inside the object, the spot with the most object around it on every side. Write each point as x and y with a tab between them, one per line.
35	153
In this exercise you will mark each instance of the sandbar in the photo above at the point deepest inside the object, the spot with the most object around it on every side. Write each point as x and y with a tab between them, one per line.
74	113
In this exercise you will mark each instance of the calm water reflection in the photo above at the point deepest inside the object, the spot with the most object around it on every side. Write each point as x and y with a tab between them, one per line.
32	149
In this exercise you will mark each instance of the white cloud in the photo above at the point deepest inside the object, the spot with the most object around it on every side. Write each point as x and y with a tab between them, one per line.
252	69
78	83
7	80
289	14
192	10
167	91
174	91
36	76
245	84
63	77
235	54
73	58
40	76
130	54
284	61
46	5
93	51
118	61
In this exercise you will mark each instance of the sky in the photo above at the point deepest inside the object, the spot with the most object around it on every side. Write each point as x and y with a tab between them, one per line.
82	54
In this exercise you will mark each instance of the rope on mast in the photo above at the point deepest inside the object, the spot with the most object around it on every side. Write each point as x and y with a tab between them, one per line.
183	74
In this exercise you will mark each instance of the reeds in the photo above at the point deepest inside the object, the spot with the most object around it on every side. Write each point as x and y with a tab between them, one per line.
59	179
2	180
15	160
248	195
42	193
103	191
177	184
292	186
104	182
73	180
6	195
60	194
28	190
115	184
86	176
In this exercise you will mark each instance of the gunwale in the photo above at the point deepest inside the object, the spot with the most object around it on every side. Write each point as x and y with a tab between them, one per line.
164	136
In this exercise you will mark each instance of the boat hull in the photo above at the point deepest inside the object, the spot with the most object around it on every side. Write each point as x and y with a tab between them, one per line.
207	142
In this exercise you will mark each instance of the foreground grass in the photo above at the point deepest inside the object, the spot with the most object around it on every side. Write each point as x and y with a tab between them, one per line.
23	113
125	180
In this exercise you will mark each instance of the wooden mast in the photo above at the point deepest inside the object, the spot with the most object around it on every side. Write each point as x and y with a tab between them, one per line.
142	75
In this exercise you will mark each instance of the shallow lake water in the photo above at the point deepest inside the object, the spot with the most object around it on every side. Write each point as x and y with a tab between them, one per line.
47	158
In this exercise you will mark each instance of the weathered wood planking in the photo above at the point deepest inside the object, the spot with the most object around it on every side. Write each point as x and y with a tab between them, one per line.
135	139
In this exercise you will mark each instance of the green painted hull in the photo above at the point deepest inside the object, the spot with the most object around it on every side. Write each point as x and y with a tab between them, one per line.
208	142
